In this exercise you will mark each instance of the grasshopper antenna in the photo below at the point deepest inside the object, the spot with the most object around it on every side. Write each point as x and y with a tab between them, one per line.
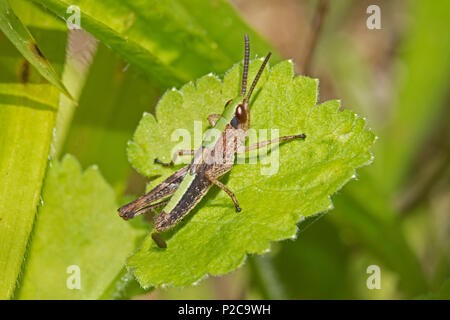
245	74
257	76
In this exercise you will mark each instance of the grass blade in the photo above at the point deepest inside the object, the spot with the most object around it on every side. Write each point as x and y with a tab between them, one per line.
22	39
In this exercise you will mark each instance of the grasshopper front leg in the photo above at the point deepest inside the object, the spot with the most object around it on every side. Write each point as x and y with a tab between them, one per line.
174	158
212	119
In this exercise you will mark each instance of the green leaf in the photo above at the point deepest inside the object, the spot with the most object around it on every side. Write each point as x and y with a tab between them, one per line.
171	41
34	16
214	238
22	39
27	117
123	287
77	225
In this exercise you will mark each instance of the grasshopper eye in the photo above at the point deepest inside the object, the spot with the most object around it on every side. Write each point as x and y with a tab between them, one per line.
241	114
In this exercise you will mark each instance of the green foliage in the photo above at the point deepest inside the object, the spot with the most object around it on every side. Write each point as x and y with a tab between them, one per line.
418	92
442	294
76	225
214	238
27	117
19	35
111	104
422	88
319	255
170	41
107	135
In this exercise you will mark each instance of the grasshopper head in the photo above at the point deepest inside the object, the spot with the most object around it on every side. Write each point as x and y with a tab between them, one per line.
237	112
238	109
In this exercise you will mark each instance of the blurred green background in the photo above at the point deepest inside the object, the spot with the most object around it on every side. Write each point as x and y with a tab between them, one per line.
395	216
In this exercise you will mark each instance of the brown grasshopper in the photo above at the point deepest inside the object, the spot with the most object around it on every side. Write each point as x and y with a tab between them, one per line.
187	186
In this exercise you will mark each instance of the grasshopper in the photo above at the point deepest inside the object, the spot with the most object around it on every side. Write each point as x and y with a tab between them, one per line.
181	192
